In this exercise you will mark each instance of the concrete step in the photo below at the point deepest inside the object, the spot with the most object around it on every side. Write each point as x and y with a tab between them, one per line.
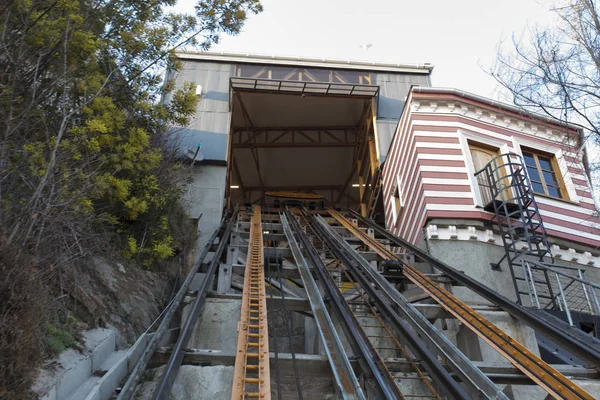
88	386
83	390
74	369
113	359
117	367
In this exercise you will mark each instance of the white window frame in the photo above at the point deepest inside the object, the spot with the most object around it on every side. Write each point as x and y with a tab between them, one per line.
555	150
464	137
397	188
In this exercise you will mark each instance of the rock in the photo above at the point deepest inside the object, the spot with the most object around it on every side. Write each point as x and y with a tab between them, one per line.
108	294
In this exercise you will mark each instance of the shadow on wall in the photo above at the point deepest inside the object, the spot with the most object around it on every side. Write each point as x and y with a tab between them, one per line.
213	145
216	96
389	108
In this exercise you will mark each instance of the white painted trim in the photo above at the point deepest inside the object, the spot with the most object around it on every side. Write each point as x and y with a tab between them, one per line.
475	191
482	139
472	233
572	220
441	157
434	134
433	193
438	145
450	207
575	232
437	168
564	205
235	57
438	181
458	126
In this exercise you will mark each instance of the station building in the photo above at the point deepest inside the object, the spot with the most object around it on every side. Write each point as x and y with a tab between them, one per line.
497	193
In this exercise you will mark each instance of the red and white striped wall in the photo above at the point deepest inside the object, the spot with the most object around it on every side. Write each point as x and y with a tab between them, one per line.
430	161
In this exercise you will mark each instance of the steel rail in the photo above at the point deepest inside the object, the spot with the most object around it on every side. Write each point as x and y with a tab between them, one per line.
367	356
438	373
345	377
474	379
251	376
140	367
275	350
555	383
571	339
388	334
170	373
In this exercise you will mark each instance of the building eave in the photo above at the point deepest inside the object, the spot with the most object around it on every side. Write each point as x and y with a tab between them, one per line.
498	105
226	57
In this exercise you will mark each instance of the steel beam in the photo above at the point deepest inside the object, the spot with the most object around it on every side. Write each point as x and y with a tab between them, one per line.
316	365
346	380
370	360
478	384
439	375
538	370
168	377
559	331
142	364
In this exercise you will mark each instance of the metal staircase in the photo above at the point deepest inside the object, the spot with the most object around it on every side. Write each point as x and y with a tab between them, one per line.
557	293
506	190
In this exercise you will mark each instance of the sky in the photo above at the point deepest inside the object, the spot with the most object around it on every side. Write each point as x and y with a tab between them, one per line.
460	38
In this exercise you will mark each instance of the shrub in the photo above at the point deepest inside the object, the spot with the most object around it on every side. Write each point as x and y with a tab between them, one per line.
22	310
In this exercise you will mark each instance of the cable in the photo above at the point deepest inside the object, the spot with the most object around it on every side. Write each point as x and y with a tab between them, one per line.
277	377
288	325
289	331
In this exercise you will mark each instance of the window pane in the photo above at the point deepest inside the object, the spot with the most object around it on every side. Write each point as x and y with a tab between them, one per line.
537	187
545	163
550	178
534	175
553	191
529	161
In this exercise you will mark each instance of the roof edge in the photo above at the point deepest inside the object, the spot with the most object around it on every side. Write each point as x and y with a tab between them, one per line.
233	57
498	104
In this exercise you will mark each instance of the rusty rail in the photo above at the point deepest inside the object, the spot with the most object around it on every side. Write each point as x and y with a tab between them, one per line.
251	377
555	383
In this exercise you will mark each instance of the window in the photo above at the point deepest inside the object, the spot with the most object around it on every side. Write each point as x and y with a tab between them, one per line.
543	169
398	200
481	155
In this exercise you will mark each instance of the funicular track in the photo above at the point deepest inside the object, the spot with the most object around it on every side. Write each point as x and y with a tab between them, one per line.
251	377
400	353
367	325
585	347
537	370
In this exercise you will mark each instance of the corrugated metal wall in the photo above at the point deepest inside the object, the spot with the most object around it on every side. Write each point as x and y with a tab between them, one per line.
210	126
393	89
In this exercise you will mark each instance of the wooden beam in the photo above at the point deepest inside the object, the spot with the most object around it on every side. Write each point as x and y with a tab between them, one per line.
293	187
292	145
350	128
361	189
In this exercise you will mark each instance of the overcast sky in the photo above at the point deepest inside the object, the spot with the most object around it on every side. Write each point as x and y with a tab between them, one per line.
459	37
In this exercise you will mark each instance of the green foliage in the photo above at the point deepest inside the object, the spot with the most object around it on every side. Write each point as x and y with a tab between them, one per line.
83	162
58	339
82	121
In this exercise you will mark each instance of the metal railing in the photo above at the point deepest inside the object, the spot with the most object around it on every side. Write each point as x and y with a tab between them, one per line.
559	288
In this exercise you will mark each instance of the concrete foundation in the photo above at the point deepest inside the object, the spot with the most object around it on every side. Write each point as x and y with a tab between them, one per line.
478	350
204	200
192	382
216	328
